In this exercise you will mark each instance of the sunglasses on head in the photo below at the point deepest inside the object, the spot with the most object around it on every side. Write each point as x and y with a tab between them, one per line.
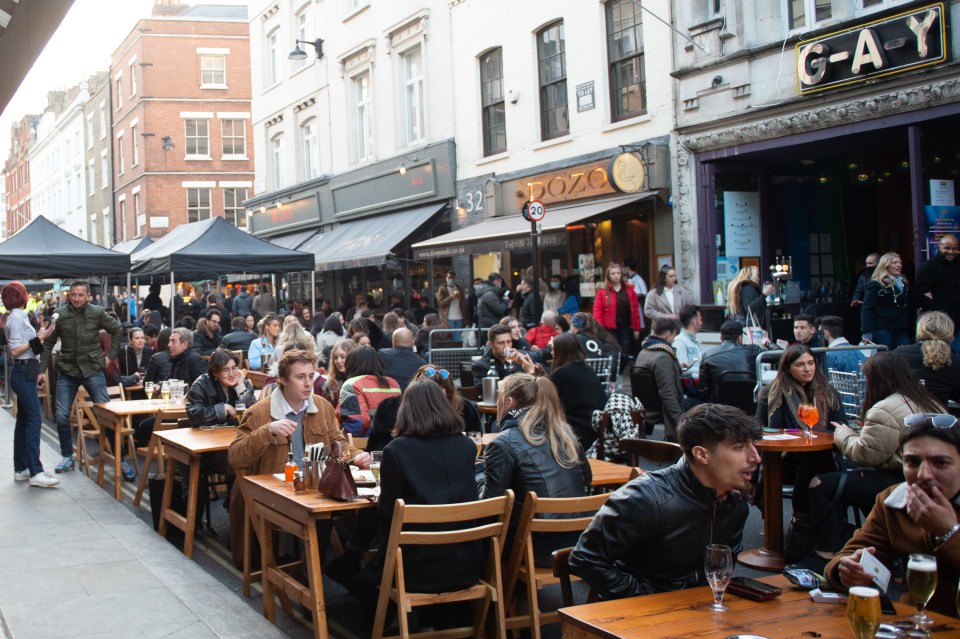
933	419
432	372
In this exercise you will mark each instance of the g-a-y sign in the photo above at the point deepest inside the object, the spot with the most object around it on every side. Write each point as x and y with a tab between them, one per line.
884	47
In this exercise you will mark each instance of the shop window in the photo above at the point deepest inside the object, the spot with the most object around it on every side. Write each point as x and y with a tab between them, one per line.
234	138
198	138
492	102
213	71
804	15
198	204
360	116
412	99
626	59
233	210
551	57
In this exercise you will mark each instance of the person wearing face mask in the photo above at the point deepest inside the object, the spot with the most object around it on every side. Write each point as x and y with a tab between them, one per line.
556	296
452	303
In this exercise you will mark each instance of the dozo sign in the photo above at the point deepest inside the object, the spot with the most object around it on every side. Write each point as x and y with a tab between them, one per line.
884	47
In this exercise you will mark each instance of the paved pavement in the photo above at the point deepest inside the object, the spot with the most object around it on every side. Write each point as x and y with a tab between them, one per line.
75	563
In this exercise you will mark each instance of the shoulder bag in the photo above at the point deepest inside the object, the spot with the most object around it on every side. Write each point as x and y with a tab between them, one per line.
337	481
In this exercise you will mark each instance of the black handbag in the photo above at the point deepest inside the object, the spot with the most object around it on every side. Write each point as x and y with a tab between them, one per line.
800	539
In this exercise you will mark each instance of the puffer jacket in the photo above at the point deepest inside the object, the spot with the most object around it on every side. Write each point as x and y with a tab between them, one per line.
877	444
605	308
78	331
651	534
359	398
490	306
206	401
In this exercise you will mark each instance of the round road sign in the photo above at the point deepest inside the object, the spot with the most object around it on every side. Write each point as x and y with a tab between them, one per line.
536	210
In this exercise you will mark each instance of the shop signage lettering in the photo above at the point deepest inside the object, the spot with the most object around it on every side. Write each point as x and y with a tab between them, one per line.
588	180
881	48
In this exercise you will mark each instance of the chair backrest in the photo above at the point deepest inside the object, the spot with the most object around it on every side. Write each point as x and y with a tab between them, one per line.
470	392
644	387
637	416
651	449
602	366
115	393
736	388
561	570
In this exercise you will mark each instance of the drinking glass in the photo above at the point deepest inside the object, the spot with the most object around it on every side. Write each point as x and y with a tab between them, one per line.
921	583
810	416
165	391
376	457
718	567
149	389
477	438
863	611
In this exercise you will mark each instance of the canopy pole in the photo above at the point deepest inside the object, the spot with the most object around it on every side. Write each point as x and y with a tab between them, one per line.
313	293
173	300
276	294
130	298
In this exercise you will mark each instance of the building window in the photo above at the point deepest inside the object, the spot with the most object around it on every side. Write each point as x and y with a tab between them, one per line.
273	57
276	161
123	220
867	6
136	214
807	14
120	156
492	103
91	179
304	28
198	138
103	119
234	138
119	93
107	228
198	204
135	140
104	169
412	102
360	116
626	59
554	115
233	210
213	71
133	79
89	130
311	155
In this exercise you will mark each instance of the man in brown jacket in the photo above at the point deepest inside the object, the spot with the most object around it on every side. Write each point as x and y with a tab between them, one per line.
919	516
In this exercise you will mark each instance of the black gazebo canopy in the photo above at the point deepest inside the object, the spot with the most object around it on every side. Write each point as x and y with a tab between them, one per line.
42	249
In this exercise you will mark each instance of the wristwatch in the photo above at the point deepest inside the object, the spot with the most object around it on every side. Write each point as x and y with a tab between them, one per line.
942	539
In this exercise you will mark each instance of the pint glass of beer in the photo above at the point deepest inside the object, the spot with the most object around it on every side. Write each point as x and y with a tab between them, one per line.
921	582
863	611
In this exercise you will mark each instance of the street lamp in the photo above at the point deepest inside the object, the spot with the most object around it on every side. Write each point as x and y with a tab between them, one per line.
300	54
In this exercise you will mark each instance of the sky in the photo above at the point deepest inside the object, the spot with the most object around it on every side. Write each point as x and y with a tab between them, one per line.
81	46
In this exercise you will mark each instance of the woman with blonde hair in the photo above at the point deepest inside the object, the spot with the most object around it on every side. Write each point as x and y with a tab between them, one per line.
884	315
336	370
744	294
536	450
262	348
292	337
931	357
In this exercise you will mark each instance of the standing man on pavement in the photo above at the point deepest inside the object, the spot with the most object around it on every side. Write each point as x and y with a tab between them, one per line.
264	302
452	303
491	301
863	278
938	282
80	362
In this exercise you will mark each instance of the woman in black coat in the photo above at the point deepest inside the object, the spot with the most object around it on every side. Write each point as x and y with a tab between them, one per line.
215	396
160	366
581	391
135	356
931	357
884	315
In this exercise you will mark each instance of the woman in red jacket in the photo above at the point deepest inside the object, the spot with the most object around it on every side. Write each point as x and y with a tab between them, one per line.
617	309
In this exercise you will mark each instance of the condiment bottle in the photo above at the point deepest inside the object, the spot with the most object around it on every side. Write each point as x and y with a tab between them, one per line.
289	469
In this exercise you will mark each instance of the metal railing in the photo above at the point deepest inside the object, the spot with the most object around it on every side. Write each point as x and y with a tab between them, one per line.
445	352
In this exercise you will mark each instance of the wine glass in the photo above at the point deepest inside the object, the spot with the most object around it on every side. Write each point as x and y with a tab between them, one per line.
810	416
863	611
718	567
921	583
149	388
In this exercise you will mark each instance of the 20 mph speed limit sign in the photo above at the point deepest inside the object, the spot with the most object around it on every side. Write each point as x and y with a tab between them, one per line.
536	211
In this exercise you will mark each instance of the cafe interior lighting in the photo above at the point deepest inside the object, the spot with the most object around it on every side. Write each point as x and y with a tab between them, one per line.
300	54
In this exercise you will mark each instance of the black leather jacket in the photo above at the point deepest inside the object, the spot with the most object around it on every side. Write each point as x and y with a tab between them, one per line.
206	401
651	534
729	356
188	366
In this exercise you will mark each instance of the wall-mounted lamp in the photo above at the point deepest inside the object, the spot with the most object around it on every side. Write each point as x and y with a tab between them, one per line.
263	208
403	168
167	142
300	54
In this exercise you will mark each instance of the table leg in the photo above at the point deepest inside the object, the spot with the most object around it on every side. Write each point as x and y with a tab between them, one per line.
101	447
154	443
311	556
117	458
267	561
192	490
770	556
167	496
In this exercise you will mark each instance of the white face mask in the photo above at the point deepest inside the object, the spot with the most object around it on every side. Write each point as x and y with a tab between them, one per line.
450	282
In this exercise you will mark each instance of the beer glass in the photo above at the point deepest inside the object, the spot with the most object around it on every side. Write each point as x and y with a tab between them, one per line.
921	583
863	611
718	568
376	457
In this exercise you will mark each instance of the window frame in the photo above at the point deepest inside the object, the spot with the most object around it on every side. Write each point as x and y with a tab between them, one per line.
90	130
104	169
187	138
487	130
311	148
119	82
239	212
121	157
92	179
613	65
860	10
273	57
810	11
554	85
276	160
123	219
133	78
199	209
222	71
303	20
234	122
136	146
413	119
103	119
360	114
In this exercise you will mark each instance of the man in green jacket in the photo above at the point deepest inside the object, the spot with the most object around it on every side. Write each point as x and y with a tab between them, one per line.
80	362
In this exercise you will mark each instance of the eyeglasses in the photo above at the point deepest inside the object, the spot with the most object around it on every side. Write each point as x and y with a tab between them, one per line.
933	419
432	372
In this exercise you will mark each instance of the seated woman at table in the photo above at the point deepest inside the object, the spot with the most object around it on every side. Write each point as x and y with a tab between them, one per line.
291	337
216	395
800	381
932	358
135	356
535	450
160	366
871	454
580	390
262	347
366	387
336	371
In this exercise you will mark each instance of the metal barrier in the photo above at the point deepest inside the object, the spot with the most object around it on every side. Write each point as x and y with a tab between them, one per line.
444	352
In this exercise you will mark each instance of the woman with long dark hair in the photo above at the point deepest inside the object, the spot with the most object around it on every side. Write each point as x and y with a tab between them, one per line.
215	396
871	454
160	367
580	390
365	388
667	297
331	334
884	315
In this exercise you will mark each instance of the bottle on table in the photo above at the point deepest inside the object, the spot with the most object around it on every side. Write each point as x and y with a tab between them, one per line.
289	469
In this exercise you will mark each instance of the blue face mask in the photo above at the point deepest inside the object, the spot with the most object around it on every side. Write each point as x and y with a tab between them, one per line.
554	285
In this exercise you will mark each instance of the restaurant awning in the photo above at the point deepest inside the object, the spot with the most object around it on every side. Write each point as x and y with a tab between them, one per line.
293	241
513	233
367	241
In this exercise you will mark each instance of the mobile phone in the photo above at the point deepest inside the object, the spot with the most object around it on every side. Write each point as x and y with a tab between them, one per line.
753	589
886	606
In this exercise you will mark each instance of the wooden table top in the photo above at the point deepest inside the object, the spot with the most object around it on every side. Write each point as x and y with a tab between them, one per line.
273	492
823	441
685	613
141	406
609	474
486	409
198	440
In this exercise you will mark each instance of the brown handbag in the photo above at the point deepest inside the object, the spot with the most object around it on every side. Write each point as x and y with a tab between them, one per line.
336	481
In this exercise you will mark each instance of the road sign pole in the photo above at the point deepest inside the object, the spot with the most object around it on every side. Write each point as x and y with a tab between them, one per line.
535	246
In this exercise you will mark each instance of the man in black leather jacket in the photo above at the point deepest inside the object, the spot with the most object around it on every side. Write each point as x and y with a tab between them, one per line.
651	534
731	355
188	365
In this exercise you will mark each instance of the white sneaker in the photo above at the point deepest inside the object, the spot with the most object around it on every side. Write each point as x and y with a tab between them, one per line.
22	475
43	480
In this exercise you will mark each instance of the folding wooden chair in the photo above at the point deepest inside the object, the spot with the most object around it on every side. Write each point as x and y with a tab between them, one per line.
561	570
88	427
166	419
521	566
485	520
659	452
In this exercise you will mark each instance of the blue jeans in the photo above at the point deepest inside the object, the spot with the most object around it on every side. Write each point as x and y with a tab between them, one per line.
26	434
67	385
891	339
455	324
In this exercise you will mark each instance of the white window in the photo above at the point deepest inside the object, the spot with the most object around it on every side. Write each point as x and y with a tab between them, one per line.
276	161
198	138
123	220
91	179
107	228
234	138
804	15
104	169
233	210
360	116
304	28
135	139
412	101
133	78
103	119
198	204
213	71
120	156
273	57
350	6
869	6
89	130
119	93
311	155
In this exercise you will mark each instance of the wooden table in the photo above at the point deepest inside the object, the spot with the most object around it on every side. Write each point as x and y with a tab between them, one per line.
685	613
486	409
115	414
187	446
770	557
277	507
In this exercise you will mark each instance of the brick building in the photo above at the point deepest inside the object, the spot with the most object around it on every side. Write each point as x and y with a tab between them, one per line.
16	173
180	104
